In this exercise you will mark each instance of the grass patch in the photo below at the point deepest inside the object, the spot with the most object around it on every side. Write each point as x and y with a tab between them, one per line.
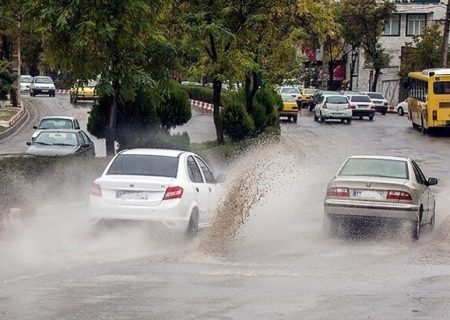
3	129
7	113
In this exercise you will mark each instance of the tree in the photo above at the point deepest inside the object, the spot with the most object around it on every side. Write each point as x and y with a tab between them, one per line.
364	21
100	38
423	52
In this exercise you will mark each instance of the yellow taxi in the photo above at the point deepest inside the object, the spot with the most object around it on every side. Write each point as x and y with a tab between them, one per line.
290	108
83	90
306	96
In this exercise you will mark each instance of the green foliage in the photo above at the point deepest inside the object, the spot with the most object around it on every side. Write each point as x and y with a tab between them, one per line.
424	52
6	79
159	139
237	123
271	101
175	107
205	94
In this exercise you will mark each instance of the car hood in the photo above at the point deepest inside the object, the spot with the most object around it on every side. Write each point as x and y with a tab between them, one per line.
43	150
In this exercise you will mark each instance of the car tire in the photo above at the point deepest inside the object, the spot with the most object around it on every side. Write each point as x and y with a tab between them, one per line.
294	118
192	227
315	117
400	111
321	118
416	227
433	220
349	121
370	118
360	117
383	113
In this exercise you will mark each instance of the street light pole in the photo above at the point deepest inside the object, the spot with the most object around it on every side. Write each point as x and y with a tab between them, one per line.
446	34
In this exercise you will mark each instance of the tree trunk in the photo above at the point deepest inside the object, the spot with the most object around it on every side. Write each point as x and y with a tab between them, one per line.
331	75
352	66
247	90
375	79
112	120
217	88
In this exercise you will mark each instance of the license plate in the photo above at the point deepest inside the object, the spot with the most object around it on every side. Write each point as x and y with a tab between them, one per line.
125	195
368	194
44	90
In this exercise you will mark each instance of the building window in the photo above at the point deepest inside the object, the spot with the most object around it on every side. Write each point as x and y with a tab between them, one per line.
415	24
392	26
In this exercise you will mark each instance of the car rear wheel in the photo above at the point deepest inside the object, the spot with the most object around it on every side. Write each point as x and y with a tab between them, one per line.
192	228
383	113
321	118
400	111
370	118
417	227
349	120
294	118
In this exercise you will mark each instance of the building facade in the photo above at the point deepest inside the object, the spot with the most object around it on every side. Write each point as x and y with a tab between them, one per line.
411	18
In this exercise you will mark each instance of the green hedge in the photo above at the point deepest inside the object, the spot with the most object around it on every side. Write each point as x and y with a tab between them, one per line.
205	94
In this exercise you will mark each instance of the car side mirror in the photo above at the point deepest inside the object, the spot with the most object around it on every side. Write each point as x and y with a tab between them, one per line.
432	181
77	128
28	143
35	127
221	178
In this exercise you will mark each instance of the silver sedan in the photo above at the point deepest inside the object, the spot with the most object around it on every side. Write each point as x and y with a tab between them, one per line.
374	187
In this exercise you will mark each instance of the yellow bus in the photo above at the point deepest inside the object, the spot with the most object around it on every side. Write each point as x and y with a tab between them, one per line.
429	98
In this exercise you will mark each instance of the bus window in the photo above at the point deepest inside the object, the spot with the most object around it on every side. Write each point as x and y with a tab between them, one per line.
441	87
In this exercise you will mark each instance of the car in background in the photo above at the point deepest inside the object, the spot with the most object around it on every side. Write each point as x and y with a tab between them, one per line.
291	91
306	96
174	188
55	122
62	142
362	106
380	102
401	108
317	96
334	106
349	93
374	188
42	85
83	90
25	81
289	109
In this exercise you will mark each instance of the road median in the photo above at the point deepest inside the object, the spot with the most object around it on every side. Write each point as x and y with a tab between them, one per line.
15	122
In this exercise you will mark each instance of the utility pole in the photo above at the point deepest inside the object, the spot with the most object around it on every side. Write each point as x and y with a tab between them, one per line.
446	34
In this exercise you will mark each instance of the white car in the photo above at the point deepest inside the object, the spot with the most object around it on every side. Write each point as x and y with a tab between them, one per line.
42	85
380	102
362	106
55	122
170	187
401	108
25	82
334	106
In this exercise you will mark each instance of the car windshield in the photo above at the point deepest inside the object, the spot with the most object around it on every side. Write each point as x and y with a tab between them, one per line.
360	99
289	90
397	169
309	91
374	95
337	99
57	138
288	98
144	165
55	124
25	79
43	80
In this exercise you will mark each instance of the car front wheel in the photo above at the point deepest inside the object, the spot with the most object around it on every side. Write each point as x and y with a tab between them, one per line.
370	118
400	111
349	120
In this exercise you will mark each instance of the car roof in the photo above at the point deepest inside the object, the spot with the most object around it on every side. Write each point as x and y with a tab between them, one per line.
154	152
357	95
334	95
380	157
366	92
42	77
58	117
61	130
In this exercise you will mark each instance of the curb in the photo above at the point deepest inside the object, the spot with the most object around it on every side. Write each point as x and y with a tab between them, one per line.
16	122
204	106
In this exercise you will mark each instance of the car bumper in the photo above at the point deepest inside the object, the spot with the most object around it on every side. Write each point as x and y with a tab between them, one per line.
286	113
382	109
334	114
44	91
86	97
343	208
172	213
363	112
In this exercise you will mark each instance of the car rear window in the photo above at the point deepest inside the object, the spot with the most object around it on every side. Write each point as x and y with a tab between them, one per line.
43	80
55	124
144	165
360	99
310	91
290	90
375	95
287	98
396	169
337	99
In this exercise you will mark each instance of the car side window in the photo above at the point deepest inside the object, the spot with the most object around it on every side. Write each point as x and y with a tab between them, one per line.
82	141
85	136
209	177
194	171
419	174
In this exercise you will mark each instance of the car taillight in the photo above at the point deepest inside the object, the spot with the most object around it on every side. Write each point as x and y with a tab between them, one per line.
338	192
325	106
173	193
398	195
434	115
386	104
96	190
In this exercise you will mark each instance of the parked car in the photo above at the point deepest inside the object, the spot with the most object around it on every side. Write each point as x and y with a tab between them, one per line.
25	81
362	106
401	108
374	188
316	96
290	108
380	102
55	122
42	85
174	188
292	91
61	143
83	91
306	96
334	106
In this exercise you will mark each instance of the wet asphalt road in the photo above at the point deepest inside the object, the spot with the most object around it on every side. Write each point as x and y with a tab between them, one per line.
281	266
